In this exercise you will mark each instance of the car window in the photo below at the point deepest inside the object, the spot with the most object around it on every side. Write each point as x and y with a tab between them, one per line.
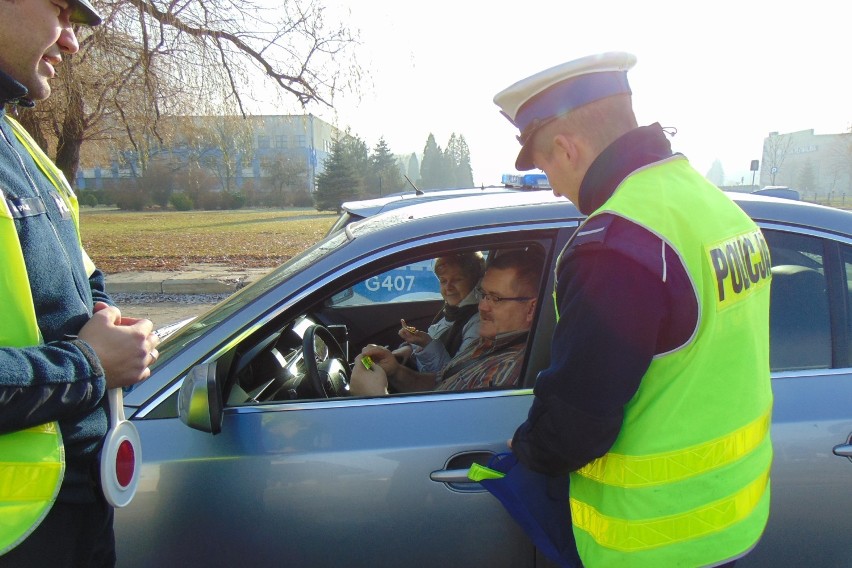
799	323
846	254
289	358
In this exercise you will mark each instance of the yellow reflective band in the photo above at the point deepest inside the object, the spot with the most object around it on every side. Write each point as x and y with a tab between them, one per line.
635	535
659	469
33	464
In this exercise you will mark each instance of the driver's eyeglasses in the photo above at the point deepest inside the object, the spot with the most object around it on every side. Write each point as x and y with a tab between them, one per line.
494	299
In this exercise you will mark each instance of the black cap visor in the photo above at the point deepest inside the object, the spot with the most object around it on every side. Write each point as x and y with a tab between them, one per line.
82	12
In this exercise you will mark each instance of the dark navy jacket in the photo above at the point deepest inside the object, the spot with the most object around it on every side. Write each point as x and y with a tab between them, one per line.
62	379
617	310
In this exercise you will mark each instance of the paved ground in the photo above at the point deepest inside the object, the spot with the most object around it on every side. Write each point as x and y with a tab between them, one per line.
167	297
161	312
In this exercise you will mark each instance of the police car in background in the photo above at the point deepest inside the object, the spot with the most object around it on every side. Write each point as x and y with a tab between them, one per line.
352	211
254	453
416	281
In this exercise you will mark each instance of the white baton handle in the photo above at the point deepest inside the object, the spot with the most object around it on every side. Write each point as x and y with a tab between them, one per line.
121	455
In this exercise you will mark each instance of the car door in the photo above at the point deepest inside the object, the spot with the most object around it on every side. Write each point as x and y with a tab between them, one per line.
338	482
811	508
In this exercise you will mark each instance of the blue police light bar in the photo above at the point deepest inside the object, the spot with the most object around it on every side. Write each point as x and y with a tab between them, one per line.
526	181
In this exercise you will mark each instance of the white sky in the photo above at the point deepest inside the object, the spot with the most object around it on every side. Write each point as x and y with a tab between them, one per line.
724	73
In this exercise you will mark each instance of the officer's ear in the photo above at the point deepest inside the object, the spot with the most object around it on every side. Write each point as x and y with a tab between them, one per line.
567	147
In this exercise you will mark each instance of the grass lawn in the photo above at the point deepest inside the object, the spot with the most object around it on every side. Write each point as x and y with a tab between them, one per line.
120	241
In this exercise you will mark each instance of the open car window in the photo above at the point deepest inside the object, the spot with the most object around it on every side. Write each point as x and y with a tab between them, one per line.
280	362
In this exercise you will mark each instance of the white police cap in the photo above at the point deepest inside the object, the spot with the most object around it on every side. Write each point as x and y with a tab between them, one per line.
532	102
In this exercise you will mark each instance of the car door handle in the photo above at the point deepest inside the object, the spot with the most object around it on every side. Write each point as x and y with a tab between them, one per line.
843	450
451	476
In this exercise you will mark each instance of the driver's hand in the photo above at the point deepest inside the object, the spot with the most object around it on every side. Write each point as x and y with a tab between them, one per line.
382	357
403	354
368	382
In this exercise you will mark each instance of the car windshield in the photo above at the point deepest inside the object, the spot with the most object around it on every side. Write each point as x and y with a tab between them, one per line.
225	309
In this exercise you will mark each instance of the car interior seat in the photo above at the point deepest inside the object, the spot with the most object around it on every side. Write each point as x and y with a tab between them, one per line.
799	323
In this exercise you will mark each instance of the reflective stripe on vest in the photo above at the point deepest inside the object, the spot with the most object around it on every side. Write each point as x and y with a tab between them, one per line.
32	465
682	486
630	536
659	469
32	461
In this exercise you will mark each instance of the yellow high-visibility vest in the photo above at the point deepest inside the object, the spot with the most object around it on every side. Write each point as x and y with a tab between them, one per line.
681	485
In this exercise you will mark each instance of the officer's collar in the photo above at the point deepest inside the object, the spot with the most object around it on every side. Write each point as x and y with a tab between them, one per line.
639	147
13	92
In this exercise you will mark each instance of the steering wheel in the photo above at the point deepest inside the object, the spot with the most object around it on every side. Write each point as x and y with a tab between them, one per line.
329	377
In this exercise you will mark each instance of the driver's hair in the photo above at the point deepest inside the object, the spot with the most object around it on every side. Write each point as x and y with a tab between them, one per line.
528	264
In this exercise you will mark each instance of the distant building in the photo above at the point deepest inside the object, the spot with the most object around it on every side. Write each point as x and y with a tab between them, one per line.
813	164
231	150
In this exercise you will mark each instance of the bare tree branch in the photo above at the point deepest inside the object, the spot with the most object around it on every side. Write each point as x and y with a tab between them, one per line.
152	58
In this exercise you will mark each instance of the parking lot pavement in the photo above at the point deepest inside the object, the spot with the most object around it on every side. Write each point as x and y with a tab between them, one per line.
168	297
165	309
195	279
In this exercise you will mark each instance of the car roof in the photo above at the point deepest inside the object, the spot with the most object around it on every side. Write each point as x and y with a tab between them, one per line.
542	206
369	207
778	191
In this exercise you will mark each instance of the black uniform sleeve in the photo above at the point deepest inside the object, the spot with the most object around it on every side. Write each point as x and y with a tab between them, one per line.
48	382
611	309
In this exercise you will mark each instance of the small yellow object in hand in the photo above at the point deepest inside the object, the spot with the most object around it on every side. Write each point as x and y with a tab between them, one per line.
367	361
409	328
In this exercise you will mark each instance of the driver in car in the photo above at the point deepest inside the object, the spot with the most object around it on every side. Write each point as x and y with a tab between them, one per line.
507	296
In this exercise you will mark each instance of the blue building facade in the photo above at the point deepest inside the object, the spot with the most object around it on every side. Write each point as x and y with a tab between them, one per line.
231	150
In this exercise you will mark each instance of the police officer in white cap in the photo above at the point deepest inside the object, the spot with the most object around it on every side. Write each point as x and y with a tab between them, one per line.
657	400
63	343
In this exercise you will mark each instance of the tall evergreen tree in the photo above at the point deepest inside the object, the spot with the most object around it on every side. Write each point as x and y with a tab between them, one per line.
451	159
340	179
386	177
358	155
463	168
413	168
433	168
458	158
716	175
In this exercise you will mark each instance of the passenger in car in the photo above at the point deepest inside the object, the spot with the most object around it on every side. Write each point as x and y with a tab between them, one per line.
456	326
507	305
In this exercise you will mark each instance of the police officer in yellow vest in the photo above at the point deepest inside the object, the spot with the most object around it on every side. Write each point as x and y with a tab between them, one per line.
62	343
657	399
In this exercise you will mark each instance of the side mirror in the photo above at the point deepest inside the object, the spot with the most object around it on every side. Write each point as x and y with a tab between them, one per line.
200	399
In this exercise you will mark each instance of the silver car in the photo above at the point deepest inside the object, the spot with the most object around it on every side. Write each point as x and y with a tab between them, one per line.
254	454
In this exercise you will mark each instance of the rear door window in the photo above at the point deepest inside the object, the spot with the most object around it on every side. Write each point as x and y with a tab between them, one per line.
799	322
846	255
